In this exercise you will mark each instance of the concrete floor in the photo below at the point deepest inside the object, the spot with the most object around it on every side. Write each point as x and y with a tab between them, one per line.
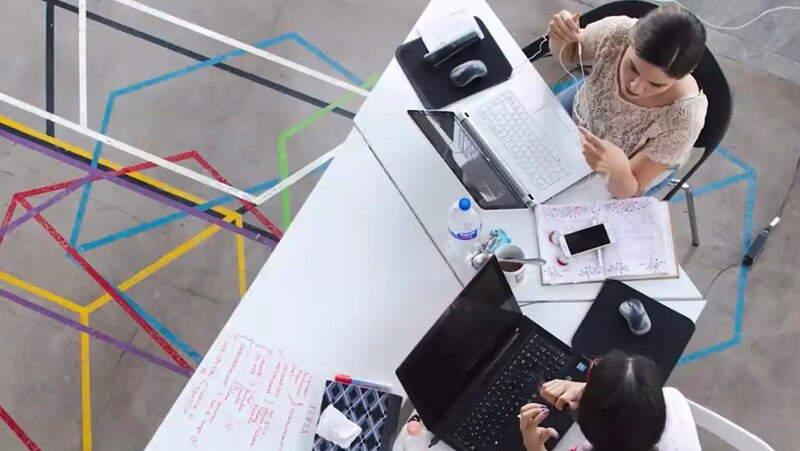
235	122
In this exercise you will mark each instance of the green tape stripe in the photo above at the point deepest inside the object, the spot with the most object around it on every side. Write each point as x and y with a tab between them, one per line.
302	125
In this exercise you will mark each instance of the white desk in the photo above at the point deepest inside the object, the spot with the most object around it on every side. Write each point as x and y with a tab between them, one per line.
319	313
359	315
430	188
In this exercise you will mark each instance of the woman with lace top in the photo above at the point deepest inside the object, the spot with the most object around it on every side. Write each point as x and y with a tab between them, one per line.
640	110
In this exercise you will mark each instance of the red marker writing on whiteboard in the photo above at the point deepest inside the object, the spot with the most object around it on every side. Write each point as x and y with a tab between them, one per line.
345	379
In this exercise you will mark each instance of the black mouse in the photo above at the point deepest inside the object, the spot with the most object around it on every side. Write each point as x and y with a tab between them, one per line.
466	73
634	313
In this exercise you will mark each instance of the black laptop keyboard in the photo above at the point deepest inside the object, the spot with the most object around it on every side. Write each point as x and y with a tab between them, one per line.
519	384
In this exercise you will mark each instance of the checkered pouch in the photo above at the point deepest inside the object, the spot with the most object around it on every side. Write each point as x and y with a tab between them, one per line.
376	412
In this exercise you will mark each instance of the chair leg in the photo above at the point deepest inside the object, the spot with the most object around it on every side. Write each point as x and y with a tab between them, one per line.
687	191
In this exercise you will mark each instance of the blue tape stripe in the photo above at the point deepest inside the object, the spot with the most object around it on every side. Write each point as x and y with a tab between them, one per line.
179	215
327	59
741	294
161	329
719	347
169	218
735	160
79	216
130	232
201	65
711	187
746	234
87	188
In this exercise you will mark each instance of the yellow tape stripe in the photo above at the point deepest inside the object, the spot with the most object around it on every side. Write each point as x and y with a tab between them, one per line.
241	261
161	262
142	178
86	396
41	292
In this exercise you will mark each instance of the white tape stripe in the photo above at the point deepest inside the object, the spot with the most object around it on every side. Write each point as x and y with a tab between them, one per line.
83	113
288	181
242	46
200	178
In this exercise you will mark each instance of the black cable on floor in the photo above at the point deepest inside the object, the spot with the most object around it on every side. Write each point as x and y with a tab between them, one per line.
719	273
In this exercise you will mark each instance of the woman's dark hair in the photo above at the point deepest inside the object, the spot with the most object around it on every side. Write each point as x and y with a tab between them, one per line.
670	38
622	407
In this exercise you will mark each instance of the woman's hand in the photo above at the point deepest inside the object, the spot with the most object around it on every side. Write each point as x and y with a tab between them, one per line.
603	156
561	393
534	437
607	158
565	28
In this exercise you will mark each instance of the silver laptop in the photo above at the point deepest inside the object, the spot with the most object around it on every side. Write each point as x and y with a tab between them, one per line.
528	136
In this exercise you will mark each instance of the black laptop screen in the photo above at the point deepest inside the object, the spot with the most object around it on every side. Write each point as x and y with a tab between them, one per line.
465	159
461	341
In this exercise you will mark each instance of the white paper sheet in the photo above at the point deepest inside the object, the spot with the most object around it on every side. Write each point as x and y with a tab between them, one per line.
441	31
641	232
251	397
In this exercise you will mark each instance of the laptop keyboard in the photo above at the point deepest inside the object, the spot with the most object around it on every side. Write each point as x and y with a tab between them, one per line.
519	383
512	124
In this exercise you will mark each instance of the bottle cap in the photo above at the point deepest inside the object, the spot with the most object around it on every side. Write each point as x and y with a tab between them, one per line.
413	427
464	204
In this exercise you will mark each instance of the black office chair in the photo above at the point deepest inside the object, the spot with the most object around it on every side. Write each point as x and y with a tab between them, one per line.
709	77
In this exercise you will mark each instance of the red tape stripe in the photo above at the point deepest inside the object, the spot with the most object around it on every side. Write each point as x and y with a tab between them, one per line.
250	207
18	431
108	288
12	206
62	185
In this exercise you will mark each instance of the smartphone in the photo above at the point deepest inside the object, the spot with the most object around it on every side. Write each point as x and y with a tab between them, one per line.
586	240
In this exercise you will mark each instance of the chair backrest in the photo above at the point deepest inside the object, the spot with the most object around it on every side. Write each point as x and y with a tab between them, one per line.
712	81
630	8
728	431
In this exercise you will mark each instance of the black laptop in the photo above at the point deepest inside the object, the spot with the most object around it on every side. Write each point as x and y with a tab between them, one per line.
480	362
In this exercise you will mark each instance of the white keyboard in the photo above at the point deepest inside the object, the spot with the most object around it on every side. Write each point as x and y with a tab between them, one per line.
513	126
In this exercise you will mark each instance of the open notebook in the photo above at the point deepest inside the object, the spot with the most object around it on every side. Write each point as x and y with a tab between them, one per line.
643	247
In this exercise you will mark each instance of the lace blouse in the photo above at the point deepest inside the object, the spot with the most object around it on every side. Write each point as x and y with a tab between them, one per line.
665	134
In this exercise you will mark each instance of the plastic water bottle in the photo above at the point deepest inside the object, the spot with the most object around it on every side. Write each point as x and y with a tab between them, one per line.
464	227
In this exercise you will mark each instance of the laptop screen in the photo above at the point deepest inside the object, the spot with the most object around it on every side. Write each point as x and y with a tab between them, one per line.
465	159
460	343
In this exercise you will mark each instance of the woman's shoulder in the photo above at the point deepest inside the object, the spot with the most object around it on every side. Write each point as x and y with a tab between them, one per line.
609	31
680	431
613	24
674	393
689	112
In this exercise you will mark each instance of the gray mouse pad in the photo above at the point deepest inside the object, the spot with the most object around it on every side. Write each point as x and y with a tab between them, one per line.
604	329
433	86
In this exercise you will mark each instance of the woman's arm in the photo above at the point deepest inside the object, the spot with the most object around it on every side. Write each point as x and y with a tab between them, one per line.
633	179
622	183
626	177
564	33
646	171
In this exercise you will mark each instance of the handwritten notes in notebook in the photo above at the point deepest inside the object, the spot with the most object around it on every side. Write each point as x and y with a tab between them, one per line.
249	397
643	246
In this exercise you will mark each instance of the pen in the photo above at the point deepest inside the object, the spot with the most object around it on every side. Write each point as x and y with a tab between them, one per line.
345	379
